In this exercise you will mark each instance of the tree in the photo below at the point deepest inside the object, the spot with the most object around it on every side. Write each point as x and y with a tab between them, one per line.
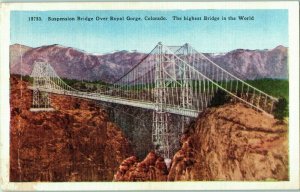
220	98
281	109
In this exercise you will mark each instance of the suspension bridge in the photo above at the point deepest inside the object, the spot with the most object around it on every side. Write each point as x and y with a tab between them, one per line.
170	79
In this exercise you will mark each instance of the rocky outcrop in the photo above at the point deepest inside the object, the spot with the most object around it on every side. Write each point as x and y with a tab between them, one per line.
76	142
233	142
152	168
230	143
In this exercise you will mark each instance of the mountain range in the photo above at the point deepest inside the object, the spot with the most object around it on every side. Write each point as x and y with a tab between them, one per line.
73	63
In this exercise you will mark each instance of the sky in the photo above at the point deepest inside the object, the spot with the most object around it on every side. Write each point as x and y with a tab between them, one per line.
268	30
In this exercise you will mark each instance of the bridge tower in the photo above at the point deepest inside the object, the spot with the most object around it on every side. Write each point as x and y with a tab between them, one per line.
186	78
187	94
40	99
160	131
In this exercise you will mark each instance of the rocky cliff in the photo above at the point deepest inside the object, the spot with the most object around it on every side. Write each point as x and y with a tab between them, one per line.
231	142
76	142
152	168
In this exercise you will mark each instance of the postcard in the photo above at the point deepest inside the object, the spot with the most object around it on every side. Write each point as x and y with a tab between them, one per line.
149	96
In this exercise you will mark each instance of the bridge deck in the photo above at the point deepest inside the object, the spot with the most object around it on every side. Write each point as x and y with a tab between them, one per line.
118	100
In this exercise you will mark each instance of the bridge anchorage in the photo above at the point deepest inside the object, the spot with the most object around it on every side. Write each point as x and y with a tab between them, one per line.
169	80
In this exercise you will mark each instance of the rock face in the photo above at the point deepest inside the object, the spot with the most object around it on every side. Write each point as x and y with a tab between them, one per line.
233	142
76	142
230	143
72	63
152	168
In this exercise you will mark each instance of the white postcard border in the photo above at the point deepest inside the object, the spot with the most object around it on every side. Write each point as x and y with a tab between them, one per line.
293	8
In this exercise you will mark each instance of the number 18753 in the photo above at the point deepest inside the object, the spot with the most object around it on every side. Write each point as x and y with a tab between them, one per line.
34	19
